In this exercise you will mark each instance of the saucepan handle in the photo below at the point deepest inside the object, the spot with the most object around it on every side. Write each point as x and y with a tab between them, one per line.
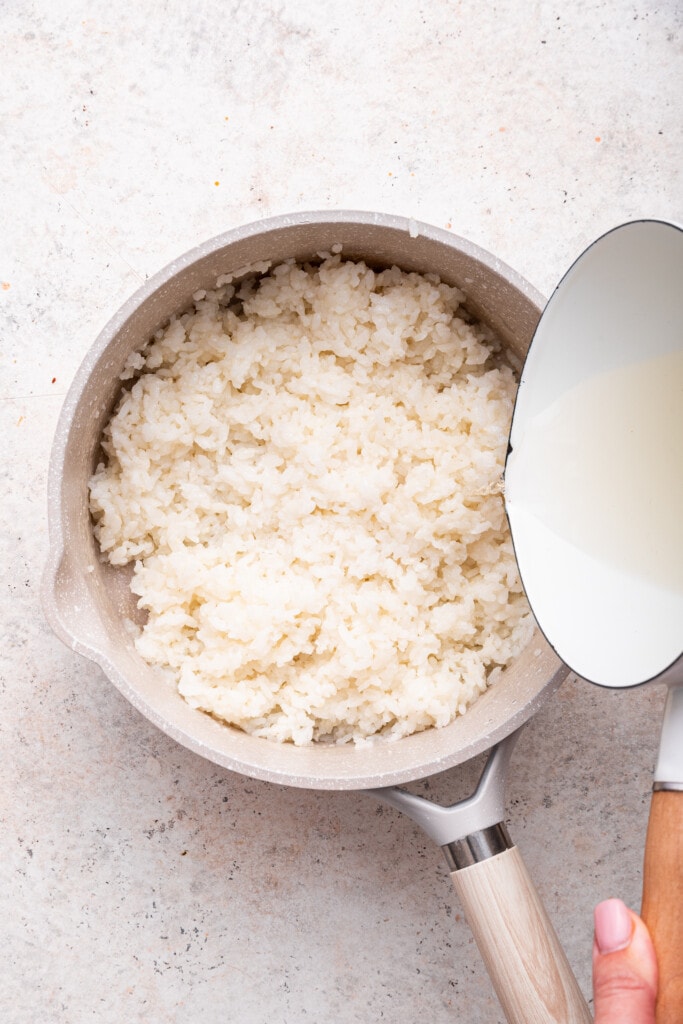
662	908
524	958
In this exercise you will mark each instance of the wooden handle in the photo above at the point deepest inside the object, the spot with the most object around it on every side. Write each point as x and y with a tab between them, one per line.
662	908
527	965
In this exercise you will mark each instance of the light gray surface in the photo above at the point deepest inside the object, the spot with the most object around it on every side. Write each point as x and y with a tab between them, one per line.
140	882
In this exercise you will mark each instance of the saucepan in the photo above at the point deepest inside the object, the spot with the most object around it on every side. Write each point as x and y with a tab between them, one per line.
594	495
90	606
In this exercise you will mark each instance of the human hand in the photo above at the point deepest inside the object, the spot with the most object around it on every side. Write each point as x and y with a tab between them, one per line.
624	967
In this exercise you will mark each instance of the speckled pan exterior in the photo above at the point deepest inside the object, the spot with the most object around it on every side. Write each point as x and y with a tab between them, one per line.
89	605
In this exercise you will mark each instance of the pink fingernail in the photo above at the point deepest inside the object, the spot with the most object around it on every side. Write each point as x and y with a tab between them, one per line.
613	926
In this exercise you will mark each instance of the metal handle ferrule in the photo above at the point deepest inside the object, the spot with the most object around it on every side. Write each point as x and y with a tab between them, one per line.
488	842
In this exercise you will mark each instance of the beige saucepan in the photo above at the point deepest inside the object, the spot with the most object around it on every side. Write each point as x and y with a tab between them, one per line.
90	606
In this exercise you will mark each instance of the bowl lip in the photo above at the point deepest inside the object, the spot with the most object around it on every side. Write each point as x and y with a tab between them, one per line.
58	553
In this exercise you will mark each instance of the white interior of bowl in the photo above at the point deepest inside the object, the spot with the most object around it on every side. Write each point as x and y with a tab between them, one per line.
89	604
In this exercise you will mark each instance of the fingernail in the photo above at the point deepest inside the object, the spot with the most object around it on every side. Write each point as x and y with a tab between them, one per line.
613	926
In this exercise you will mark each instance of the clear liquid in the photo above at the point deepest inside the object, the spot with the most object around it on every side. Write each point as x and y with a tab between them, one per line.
603	469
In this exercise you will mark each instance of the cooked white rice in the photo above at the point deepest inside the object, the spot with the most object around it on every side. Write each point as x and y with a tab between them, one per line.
307	474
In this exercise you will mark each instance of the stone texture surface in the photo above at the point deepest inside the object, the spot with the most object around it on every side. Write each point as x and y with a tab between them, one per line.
139	882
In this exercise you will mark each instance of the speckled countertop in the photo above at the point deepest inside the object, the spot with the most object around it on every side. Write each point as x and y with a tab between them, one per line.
139	882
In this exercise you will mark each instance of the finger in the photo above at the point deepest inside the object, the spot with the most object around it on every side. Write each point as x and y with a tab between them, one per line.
624	967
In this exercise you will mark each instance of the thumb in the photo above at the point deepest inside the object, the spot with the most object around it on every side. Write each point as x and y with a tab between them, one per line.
624	967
